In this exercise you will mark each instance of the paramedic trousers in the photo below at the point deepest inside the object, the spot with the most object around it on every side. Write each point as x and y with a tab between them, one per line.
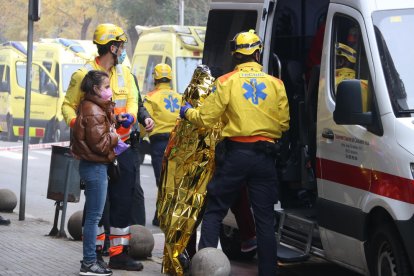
243	163
158	144
121	192
138	202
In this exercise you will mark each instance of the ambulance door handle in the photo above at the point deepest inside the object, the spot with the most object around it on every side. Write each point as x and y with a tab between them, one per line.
19	97
328	133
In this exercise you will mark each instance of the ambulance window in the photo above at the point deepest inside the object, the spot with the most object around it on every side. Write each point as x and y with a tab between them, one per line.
184	71
4	78
21	73
349	59
148	80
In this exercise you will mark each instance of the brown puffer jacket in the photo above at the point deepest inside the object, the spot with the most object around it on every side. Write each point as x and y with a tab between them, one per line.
93	139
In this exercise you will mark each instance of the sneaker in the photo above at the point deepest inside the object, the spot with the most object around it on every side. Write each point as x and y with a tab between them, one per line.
124	262
4	221
249	245
94	269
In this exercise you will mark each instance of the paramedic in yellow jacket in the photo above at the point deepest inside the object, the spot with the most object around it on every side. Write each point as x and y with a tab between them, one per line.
110	40
345	70
254	109
163	104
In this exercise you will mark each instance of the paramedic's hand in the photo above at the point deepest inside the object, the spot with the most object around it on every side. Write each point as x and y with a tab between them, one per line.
149	124
184	109
127	120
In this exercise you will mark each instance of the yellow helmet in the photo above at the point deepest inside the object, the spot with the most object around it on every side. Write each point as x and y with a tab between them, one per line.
105	33
346	51
162	70
246	43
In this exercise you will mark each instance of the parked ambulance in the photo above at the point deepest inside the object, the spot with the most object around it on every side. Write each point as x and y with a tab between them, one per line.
13	89
347	163
62	57
178	46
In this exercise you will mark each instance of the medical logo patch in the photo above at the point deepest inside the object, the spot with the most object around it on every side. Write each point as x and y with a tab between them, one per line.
254	91
171	103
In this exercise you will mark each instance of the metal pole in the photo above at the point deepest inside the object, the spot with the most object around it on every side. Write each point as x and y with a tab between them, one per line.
26	114
181	12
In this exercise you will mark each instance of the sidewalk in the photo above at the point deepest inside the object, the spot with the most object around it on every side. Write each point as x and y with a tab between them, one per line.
27	250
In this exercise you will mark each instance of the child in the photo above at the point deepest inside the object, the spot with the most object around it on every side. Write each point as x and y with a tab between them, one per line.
94	141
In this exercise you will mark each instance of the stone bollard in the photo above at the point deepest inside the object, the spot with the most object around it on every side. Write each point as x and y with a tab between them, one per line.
141	243
210	262
75	225
8	200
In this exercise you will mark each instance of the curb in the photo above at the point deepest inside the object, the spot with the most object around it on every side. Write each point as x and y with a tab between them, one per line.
35	146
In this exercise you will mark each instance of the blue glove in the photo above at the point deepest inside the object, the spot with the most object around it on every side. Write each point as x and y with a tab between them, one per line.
129	120
184	109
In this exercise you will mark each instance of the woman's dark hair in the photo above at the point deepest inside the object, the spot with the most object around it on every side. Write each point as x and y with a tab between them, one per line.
93	77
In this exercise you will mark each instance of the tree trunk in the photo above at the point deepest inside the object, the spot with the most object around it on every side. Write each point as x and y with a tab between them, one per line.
85	27
132	41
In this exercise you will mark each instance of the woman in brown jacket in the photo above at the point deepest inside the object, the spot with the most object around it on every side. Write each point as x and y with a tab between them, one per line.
94	140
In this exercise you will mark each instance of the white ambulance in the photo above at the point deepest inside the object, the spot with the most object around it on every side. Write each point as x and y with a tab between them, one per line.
347	163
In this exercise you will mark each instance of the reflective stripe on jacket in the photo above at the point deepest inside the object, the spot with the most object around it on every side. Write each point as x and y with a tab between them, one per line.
249	102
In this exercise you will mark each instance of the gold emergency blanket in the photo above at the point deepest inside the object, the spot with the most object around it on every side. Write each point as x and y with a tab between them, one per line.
188	166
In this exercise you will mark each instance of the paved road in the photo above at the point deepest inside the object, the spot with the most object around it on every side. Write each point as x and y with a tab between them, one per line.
41	209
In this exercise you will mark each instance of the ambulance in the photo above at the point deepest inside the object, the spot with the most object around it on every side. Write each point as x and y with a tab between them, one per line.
178	46
346	166
13	57
62	57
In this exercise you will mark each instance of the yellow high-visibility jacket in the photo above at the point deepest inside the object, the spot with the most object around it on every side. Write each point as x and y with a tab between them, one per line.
163	104
124	93
249	102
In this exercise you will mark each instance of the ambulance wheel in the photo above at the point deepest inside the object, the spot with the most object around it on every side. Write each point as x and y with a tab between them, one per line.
387	253
10	135
231	244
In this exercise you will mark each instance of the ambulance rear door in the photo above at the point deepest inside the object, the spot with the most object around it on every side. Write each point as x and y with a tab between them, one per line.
225	20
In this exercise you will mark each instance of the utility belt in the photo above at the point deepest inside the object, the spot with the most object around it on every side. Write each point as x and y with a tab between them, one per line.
266	147
159	137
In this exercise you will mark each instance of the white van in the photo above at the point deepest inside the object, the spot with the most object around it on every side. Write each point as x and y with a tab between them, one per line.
347	163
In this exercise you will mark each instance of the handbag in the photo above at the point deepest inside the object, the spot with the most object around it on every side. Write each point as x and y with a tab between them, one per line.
114	171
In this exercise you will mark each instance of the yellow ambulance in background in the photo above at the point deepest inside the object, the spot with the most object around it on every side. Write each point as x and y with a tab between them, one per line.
180	47
13	58
61	57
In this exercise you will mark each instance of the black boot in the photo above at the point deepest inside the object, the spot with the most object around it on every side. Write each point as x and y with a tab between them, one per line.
124	261
155	220
99	256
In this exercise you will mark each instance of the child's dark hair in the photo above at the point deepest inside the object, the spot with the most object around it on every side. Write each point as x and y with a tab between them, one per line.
93	77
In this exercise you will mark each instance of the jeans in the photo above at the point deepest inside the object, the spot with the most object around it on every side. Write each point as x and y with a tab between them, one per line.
96	185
